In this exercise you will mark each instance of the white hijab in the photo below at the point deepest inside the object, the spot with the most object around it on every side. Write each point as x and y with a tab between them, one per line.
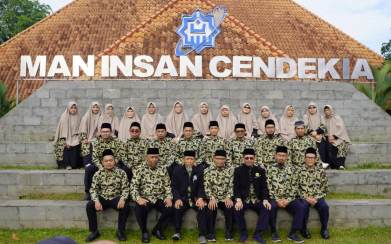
68	126
149	122
249	120
312	121
124	125
89	122
201	121
287	124
226	124
262	120
175	121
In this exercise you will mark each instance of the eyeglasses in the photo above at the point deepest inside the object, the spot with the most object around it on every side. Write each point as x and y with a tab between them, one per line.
135	130
248	158
310	157
247	107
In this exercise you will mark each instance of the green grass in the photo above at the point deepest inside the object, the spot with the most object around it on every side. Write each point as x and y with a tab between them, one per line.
372	235
364	166
53	196
353	196
26	167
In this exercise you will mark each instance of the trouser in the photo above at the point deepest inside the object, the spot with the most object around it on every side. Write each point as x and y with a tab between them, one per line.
323	210
211	220
141	213
295	208
328	153
263	217
72	157
123	213
201	218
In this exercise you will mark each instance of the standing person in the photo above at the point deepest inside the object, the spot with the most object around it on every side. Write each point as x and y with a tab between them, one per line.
109	117
188	193
313	188
211	143
283	190
250	192
218	186
299	144
247	117
88	131
265	115
201	119
236	145
175	120
149	121
227	122
150	189
337	135
110	189
165	146
312	118
135	147
128	118
266	144
287	123
67	144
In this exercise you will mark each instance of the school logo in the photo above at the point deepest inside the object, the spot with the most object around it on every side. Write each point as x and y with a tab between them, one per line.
199	31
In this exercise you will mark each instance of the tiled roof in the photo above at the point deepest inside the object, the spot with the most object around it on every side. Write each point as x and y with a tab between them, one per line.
254	27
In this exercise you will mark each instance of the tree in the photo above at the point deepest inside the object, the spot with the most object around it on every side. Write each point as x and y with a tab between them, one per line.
17	15
386	50
5	104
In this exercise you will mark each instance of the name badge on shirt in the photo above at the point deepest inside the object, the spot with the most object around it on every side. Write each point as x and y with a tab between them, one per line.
194	178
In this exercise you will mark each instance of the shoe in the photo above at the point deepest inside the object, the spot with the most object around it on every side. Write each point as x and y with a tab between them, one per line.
211	238
305	234
145	237
325	234
295	238
120	235
325	166
159	235
258	238
87	196
275	237
68	168
176	237
228	237
202	239
92	236
341	167
243	237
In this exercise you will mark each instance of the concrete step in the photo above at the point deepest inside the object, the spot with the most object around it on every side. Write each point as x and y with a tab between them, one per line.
71	214
14	183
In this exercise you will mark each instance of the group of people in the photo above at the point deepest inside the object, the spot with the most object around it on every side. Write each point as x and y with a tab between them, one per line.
203	165
74	137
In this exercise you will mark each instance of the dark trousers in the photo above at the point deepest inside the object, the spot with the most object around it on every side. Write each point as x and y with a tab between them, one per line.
263	217
71	157
211	220
328	153
295	208
142	215
323	210
122	213
201	218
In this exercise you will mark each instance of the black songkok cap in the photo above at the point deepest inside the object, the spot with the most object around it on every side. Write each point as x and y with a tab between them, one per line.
213	123
107	152
270	122
240	126
189	153
135	124
248	151
282	149
161	126
310	150
188	124
153	150
299	123
221	152
106	125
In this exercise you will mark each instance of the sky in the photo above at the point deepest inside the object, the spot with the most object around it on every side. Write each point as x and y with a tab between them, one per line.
368	21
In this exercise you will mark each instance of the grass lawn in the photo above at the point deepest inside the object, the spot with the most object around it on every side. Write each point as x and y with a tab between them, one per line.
364	166
26	167
353	196
370	235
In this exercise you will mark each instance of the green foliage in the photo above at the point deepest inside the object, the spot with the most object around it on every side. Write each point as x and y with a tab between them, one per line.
381	94
17	15
5	104
386	50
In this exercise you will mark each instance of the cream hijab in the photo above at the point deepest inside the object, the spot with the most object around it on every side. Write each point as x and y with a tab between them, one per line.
335	126
249	120
201	121
312	121
109	117
175	121
89	122
124	125
261	120
68	126
149	122
226	124
287	124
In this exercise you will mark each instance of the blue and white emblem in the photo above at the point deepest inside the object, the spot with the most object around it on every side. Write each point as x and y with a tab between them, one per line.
199	31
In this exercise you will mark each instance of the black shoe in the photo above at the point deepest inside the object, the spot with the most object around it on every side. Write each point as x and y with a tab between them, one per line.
211	238
87	196
92	236
295	238
176	236
121	235
228	237
275	237
305	234
159	235
325	234
145	237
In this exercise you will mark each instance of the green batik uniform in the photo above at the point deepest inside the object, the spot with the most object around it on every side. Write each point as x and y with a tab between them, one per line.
166	150
282	181
312	182
297	147
235	149
109	184
208	147
265	147
150	184
84	147
100	145
218	182
135	152
192	144
59	146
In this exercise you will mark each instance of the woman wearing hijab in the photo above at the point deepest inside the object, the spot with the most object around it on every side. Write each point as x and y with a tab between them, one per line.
337	135
149	121
287	123
176	119
67	145
247	117
109	117
227	122
265	115
88	131
312	118
128	118
201	119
